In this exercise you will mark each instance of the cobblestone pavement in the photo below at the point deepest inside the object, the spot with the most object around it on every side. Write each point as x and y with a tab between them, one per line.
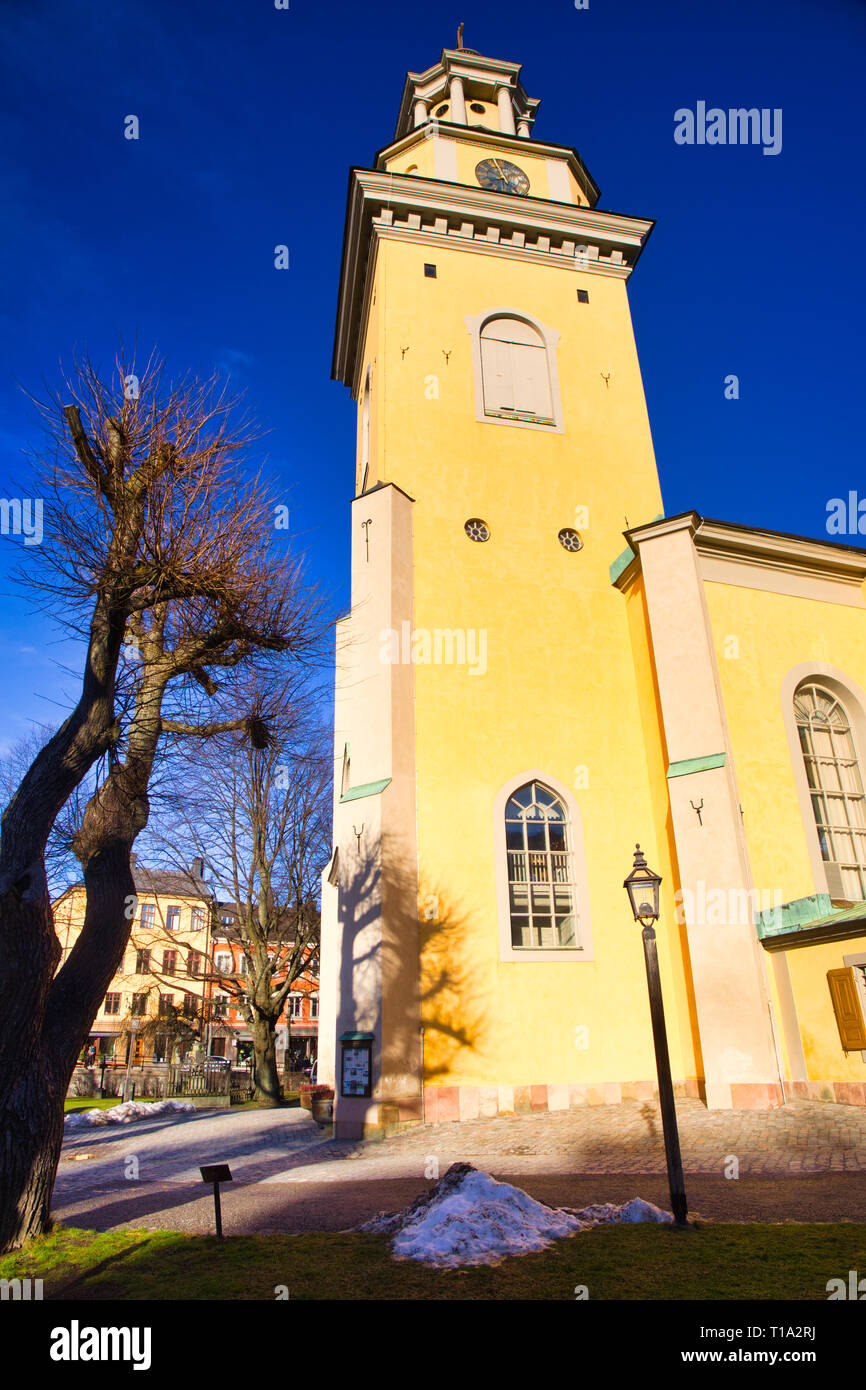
799	1138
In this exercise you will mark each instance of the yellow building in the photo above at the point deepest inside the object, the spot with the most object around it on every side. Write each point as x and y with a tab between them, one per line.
165	966
519	699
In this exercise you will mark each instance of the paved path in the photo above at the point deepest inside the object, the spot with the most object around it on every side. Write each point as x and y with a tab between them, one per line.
290	1177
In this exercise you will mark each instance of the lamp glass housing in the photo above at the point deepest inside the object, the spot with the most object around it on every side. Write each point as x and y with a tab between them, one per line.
642	886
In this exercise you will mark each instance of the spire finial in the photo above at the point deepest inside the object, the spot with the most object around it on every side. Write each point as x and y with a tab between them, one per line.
459	35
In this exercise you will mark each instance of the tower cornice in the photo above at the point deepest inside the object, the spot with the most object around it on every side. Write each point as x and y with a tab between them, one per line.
382	205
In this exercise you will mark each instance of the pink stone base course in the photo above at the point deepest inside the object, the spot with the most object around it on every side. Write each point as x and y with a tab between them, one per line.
842	1092
445	1103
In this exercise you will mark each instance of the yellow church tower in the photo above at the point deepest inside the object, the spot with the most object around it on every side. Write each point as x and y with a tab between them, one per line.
498	742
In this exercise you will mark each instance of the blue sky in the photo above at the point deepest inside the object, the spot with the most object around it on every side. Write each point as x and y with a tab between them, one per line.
249	120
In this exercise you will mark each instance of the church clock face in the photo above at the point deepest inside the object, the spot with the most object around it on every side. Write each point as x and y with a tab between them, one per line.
502	177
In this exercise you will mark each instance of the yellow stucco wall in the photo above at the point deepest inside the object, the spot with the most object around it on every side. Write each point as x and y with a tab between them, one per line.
561	691
760	637
420	152
773	634
808	966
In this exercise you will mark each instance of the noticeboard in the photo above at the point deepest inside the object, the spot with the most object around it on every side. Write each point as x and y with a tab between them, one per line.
356	1071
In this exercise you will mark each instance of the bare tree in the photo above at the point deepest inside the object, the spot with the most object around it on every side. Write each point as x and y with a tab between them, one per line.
159	550
261	818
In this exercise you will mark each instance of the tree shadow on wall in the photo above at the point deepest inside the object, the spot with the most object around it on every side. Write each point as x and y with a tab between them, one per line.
404	966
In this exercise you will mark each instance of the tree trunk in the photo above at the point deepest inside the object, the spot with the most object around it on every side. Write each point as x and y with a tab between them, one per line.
34	1084
31	1133
266	1076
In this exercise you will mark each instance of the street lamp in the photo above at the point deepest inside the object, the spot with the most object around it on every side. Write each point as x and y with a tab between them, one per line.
133	1030
642	886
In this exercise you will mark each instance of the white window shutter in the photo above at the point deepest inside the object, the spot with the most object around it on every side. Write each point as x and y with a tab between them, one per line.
497	372
531	383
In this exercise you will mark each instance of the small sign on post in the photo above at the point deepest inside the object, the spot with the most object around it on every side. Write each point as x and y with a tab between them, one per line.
217	1173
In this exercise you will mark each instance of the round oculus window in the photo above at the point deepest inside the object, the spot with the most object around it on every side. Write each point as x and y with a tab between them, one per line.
476	529
570	539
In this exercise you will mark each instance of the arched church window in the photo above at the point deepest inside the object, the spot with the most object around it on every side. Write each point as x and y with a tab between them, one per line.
542	897
835	788
515	371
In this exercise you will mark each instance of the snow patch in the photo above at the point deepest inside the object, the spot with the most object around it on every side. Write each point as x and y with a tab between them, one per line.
635	1210
469	1218
126	1113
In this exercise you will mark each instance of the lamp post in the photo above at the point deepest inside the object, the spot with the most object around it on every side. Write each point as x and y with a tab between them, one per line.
133	1030
642	886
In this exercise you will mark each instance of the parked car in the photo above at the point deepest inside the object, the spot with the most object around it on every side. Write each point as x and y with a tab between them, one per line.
212	1063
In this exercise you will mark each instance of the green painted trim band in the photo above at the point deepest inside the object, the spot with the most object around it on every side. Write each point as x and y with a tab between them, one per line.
368	789
688	765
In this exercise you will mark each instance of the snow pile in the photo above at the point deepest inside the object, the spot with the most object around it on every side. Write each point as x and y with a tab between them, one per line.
635	1210
469	1218
126	1113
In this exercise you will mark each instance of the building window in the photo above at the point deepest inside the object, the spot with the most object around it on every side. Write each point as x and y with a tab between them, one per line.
514	371
540	872
148	915
314	1006
139	1005
169	962
429	271
583	296
516	380
112	1004
220	1005
193	963
295	1002
570	539
476	529
172	918
142	962
166	1005
224	963
198	918
835	788
190	1003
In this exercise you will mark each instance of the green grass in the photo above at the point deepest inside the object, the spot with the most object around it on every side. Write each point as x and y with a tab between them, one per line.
619	1262
89	1103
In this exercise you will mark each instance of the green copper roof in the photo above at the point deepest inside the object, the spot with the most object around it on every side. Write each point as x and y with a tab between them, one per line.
810	919
624	560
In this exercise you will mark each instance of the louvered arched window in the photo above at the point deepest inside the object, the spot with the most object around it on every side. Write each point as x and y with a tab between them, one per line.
835	788
514	365
515	371
542	897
